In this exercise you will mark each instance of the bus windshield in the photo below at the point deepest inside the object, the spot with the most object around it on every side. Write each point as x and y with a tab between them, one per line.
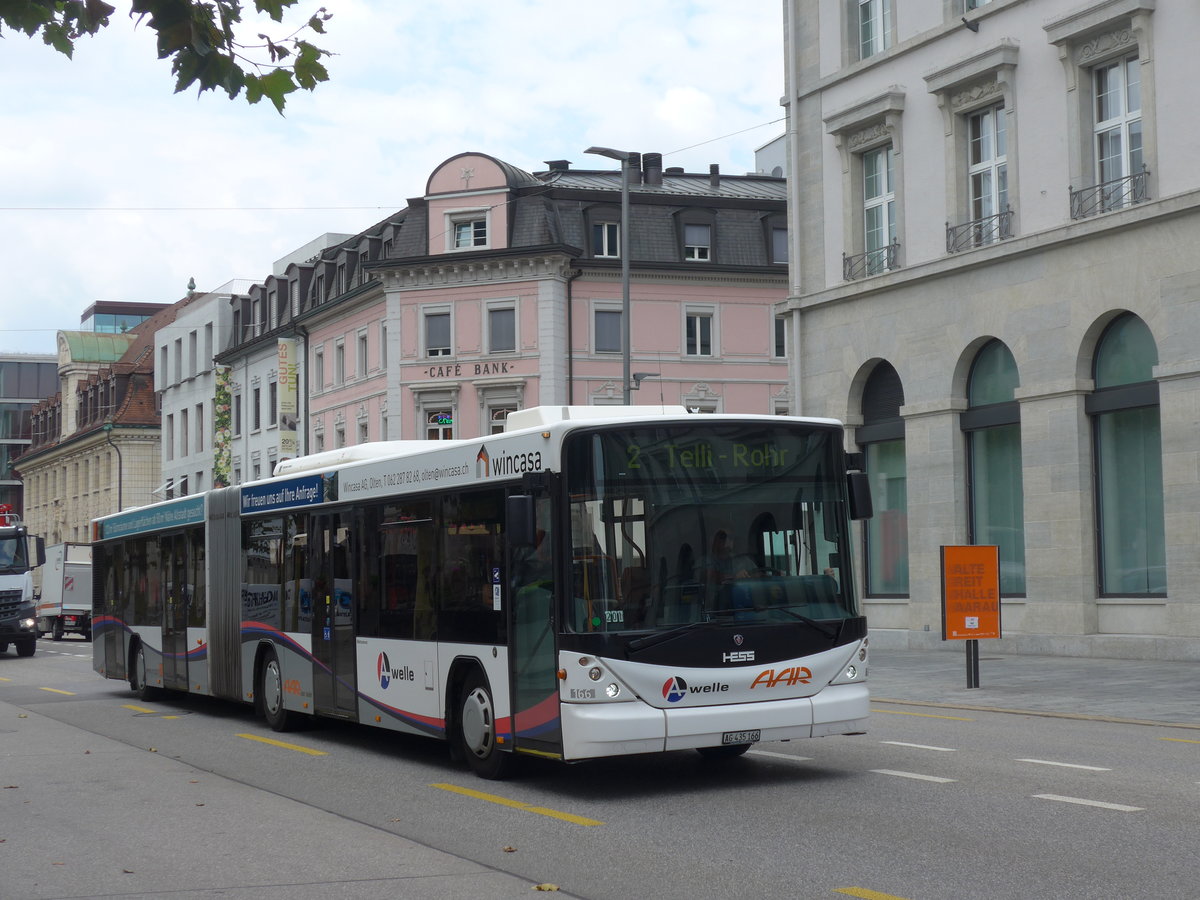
682	524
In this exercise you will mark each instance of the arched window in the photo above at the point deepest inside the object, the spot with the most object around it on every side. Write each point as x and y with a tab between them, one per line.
992	424
882	438
1128	448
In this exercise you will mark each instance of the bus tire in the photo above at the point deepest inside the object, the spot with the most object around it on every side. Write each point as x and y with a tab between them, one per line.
27	648
477	730
270	694
138	681
58	630
726	751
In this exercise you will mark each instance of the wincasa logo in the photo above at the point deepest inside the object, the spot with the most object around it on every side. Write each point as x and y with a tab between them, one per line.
517	463
483	463
769	678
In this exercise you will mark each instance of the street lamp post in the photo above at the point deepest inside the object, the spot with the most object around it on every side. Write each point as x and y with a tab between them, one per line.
625	157
107	428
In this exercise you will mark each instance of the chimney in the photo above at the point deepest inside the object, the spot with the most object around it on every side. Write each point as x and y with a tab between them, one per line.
652	170
635	168
714	176
558	165
674	170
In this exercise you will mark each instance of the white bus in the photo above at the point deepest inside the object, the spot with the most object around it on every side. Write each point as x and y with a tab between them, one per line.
595	581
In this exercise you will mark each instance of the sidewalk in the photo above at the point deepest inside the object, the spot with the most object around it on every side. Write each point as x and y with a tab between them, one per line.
85	816
1133	690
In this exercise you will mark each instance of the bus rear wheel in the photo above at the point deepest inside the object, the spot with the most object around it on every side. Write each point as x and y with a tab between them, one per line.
27	648
270	694
138	682
477	730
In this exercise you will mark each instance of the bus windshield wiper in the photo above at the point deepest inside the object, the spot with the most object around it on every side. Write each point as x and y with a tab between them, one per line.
824	629
652	640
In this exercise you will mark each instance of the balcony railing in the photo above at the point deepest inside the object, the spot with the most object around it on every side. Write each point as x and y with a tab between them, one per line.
1110	195
979	232
873	262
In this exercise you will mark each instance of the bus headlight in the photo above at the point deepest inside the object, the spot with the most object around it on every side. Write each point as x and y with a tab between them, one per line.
852	672
595	673
27	623
613	691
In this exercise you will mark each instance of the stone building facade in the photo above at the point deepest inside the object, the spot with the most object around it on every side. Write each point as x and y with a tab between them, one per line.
993	210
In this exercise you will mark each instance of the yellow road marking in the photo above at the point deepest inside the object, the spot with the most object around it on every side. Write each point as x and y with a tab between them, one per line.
262	740
140	709
1180	740
900	712
866	893
517	804
57	691
5	679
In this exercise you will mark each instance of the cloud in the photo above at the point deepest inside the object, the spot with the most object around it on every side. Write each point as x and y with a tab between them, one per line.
526	81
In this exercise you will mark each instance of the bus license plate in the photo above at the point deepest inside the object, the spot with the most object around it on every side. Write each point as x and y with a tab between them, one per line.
742	737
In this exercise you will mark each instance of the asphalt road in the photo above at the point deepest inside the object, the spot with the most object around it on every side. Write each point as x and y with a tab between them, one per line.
932	804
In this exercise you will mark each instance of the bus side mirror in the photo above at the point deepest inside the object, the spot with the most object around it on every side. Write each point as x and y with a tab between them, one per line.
522	523
37	550
860	495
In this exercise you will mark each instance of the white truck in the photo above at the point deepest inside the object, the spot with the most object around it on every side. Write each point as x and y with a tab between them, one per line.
65	606
20	554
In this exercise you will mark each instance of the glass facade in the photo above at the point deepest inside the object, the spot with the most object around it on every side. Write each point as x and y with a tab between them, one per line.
1128	447
22	384
994	449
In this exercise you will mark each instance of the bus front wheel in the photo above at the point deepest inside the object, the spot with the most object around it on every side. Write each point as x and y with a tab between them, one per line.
477	730
270	695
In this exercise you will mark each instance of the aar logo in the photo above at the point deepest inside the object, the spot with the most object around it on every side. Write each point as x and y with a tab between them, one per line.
675	689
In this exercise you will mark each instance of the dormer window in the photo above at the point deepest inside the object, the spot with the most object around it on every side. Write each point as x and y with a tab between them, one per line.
472	233
697	243
467	229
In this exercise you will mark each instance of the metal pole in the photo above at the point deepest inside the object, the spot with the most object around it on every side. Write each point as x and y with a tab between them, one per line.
625	313
107	429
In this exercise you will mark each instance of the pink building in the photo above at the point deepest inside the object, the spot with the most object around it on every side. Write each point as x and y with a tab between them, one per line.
499	289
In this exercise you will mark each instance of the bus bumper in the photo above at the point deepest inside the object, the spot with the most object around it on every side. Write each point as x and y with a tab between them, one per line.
593	730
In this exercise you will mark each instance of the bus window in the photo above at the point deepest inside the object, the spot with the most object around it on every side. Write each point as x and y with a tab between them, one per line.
471	559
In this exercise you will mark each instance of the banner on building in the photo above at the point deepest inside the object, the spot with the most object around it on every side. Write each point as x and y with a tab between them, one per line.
288	389
222	442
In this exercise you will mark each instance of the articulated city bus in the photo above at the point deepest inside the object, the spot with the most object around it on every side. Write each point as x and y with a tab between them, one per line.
596	581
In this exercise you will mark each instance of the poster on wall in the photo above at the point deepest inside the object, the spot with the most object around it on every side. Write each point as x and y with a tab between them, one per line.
288	411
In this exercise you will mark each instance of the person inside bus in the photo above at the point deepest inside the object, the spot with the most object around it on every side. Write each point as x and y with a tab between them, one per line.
724	562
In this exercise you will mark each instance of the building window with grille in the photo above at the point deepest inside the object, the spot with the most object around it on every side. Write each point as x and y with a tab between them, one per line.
987	167
498	418
439	425
1117	95
879	207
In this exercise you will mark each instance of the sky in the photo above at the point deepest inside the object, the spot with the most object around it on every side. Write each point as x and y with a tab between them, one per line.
113	187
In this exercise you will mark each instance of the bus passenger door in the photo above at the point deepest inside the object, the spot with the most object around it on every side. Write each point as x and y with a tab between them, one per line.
330	560
176	591
531	627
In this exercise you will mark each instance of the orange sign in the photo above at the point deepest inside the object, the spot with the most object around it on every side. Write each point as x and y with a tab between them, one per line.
970	593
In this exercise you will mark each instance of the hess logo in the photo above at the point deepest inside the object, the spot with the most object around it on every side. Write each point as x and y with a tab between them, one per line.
386	674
